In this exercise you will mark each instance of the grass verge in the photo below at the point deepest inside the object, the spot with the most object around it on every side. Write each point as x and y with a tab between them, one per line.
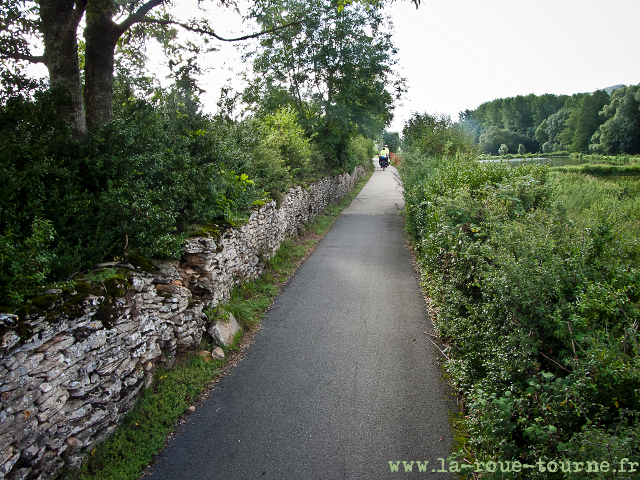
143	432
601	169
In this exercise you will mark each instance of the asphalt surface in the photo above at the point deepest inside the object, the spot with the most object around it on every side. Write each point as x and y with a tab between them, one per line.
340	379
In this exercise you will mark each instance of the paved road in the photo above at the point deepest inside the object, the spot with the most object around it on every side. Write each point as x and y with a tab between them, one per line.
340	379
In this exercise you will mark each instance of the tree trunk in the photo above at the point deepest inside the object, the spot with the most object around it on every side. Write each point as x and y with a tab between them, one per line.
59	26
101	35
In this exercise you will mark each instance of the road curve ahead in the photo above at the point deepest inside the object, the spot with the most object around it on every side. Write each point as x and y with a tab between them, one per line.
340	380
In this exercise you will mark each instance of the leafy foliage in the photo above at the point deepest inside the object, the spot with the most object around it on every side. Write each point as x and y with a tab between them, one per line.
335	69
25	264
287	137
621	131
583	121
534	277
580	123
493	138
392	139
554	126
360	151
137	185
518	115
435	135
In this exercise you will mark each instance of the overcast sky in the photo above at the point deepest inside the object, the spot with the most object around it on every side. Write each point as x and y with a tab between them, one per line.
457	54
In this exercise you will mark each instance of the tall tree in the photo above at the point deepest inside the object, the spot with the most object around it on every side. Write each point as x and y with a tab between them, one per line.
337	68
54	24
392	140
583	121
544	105
621	131
468	122
542	135
555	125
517	114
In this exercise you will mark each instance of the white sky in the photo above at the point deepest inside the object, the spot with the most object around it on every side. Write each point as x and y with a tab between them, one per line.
457	54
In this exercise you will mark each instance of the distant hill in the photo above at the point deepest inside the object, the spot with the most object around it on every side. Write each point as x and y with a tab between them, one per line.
611	89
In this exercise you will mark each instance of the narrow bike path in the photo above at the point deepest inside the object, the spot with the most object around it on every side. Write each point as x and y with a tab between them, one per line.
340	379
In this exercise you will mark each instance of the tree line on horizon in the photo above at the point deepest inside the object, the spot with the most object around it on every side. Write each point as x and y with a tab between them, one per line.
597	122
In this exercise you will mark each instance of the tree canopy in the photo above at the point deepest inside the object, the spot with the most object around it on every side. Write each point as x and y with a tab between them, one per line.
109	26
621	129
83	70
392	140
336	69
583	122
433	135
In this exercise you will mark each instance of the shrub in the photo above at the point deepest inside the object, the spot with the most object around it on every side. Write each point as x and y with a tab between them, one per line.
139	185
25	264
535	279
360	152
136	184
435	135
601	170
284	135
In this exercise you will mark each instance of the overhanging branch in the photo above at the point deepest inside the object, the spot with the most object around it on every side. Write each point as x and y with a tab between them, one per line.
138	16
212	34
20	56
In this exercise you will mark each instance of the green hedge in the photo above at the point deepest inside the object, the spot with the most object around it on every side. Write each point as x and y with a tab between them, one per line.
535	279
140	185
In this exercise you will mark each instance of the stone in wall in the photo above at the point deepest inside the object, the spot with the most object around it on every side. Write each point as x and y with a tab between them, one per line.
223	331
81	367
77	360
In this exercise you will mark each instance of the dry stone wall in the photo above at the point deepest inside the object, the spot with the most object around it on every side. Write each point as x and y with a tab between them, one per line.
74	362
